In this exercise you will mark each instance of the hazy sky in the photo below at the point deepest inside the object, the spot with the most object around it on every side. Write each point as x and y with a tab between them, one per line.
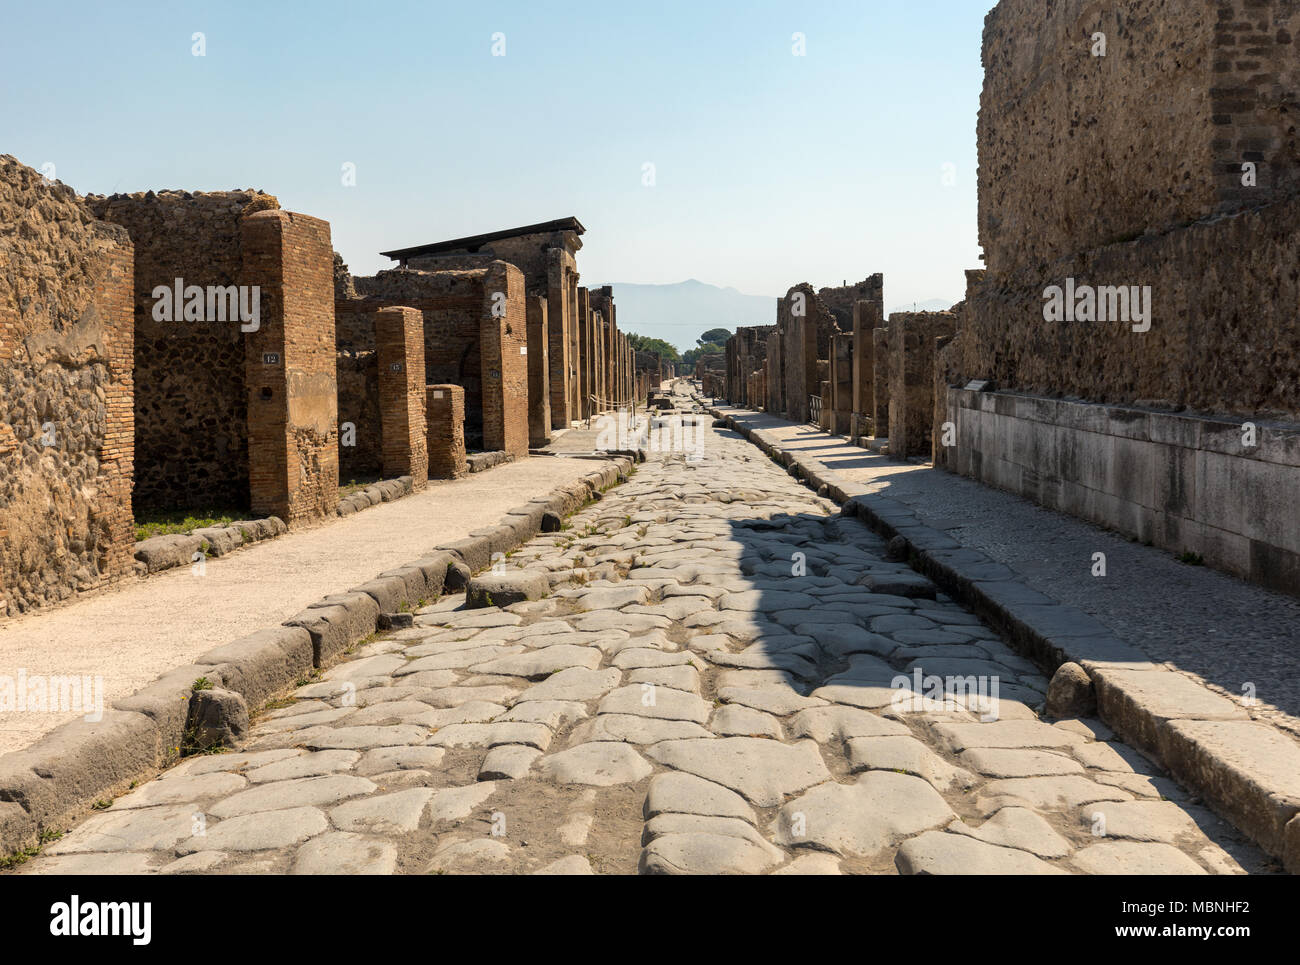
769	168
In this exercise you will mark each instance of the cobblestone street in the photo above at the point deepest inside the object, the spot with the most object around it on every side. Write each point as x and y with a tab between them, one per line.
712	686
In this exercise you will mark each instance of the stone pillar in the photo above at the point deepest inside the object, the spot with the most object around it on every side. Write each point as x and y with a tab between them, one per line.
399	350
912	338
557	324
539	374
880	382
865	321
585	388
445	416
290	367
503	354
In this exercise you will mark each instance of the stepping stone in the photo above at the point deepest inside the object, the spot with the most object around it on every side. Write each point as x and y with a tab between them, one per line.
647	700
861	819
454	803
812	864
298	793
1000	762
679	793
735	720
704	854
577	684
763	771
259	832
507	762
1020	828
385	759
490	735
838	723
393	813
1140	821
635	729
540	663
1134	858
597	763
939	853
909	755
574	864
339	853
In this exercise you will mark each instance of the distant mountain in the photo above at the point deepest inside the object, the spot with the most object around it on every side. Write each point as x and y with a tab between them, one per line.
680	313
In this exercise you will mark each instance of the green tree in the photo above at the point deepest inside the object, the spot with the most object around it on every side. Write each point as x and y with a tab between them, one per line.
715	336
643	343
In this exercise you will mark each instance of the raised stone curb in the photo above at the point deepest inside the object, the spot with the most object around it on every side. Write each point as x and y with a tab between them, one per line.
177	549
61	775
1247	771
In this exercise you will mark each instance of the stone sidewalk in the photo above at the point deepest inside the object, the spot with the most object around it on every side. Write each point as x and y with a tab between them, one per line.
132	634
712	686
1235	637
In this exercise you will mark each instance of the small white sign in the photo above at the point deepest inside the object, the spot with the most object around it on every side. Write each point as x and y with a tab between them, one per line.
523	350
437	393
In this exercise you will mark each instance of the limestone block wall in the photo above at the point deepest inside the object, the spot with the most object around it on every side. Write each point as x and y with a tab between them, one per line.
66	385
190	403
1078	151
290	371
1186	483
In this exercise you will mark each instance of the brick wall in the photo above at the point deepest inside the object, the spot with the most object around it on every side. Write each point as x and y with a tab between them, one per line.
504	350
445	419
399	341
66	362
539	374
190	403
290	372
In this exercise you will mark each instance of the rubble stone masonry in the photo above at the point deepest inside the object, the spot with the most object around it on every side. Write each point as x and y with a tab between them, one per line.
66	362
445	418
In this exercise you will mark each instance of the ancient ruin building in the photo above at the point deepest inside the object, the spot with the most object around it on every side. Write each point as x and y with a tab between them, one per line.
66	436
1164	398
546	254
473	323
235	397
746	353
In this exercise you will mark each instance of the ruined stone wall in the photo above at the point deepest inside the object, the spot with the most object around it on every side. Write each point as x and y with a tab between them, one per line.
191	403
503	339
746	351
806	327
539	374
1144	190
840	301
399	343
912	349
66	362
452	303
445	421
840	376
1079	152
867	317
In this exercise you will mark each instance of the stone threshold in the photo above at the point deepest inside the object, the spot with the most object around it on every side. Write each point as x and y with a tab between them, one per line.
1246	770
60	777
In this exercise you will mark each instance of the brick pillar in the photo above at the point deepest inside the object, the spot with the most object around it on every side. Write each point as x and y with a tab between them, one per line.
399	350
293	465
575	352
503	354
115	300
557	324
445	418
585	388
539	374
